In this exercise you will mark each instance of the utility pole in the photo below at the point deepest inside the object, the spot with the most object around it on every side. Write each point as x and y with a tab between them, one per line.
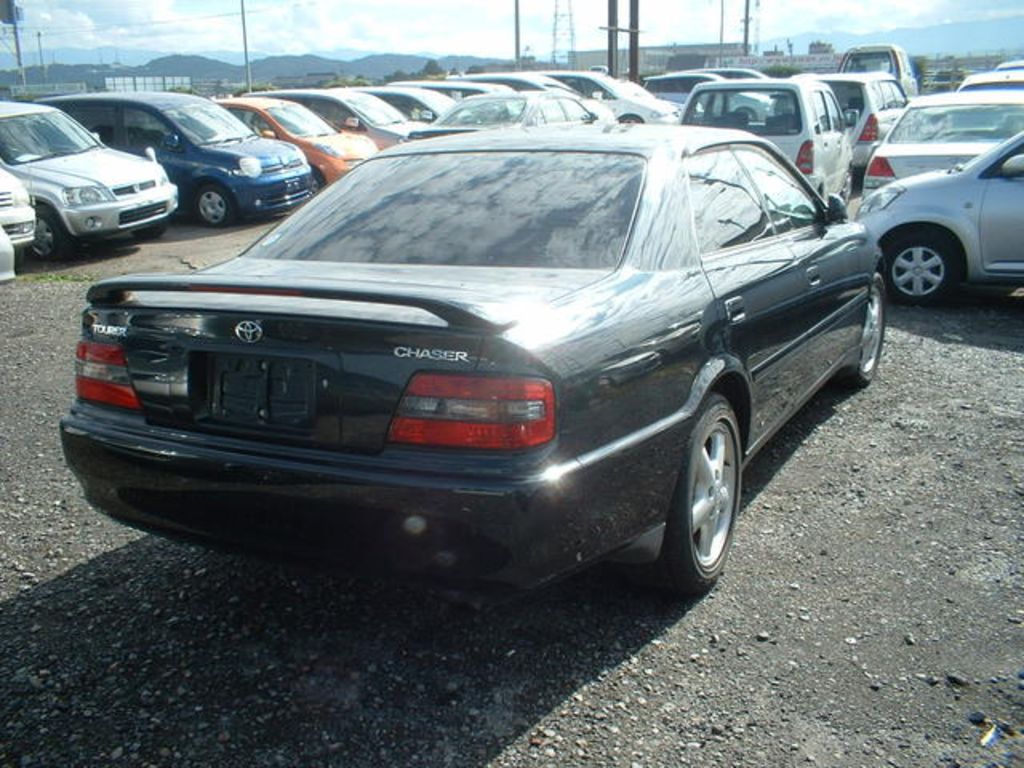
42	66
519	61
245	49
746	28
721	32
613	38
634	40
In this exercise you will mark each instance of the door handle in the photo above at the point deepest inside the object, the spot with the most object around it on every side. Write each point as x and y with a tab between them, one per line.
813	277
734	309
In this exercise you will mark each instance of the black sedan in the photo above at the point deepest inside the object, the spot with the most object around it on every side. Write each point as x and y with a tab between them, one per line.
484	360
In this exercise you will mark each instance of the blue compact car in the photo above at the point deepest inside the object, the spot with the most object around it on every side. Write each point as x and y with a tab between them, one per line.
223	171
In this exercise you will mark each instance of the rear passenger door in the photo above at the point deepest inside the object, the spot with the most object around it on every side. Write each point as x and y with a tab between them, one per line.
758	283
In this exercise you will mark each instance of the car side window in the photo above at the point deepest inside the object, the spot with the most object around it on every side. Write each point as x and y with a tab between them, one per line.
97	118
255	121
790	206
575	111
821	118
143	129
550	112
726	208
332	111
834	114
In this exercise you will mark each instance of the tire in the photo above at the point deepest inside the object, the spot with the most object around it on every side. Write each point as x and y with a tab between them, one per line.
153	232
631	119
317	183
872	336
922	266
700	522
214	206
52	241
847	191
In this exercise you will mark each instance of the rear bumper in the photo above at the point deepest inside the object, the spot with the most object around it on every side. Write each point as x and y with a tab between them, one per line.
374	518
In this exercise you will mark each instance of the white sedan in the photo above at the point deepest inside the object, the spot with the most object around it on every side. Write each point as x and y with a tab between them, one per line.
942	228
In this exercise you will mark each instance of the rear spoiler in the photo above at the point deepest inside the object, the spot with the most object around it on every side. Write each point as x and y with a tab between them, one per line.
122	290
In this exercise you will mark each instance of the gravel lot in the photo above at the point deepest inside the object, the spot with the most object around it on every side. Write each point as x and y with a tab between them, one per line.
871	613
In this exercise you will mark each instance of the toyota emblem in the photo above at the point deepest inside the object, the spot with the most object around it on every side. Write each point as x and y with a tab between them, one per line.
249	331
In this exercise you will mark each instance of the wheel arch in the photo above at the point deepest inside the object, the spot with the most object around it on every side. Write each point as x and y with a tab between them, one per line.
960	252
733	387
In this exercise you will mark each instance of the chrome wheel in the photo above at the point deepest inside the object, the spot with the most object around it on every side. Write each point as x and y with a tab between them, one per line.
714	489
873	331
918	272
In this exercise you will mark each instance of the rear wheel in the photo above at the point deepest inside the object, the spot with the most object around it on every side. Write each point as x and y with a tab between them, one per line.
921	266
214	206
52	240
699	528
318	182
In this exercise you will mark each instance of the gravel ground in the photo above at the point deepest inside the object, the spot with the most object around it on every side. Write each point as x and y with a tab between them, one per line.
870	615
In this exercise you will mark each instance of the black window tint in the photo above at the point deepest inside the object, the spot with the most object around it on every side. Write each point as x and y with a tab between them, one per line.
850	95
764	111
332	111
727	211
789	204
97	118
494	209
142	129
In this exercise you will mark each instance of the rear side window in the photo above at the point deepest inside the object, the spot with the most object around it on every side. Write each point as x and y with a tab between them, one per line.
764	111
850	95
97	118
870	61
569	210
726	209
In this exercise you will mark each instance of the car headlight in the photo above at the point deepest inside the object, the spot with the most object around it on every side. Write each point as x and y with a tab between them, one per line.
87	195
250	166
881	199
328	150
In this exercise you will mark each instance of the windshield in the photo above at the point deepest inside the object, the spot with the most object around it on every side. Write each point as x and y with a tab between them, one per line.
208	124
371	110
568	210
485	111
764	111
877	61
962	123
299	121
25	138
632	91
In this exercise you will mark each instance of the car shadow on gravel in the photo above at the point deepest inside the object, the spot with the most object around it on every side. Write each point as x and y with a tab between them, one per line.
168	654
991	318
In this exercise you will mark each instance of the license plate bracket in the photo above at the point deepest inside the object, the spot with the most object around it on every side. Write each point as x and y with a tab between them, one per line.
259	391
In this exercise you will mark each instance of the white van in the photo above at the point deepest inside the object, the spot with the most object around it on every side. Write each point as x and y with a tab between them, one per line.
882	57
799	115
629	102
17	218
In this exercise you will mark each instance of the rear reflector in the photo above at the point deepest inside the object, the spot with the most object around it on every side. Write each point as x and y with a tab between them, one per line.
455	411
101	375
805	158
879	166
870	131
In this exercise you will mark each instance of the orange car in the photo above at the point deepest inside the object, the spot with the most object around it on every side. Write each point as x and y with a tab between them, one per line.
330	154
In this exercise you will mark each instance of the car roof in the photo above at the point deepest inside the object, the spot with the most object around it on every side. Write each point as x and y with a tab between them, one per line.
994	77
965	98
256	102
712	77
855	77
159	99
761	83
645	140
410	90
10	108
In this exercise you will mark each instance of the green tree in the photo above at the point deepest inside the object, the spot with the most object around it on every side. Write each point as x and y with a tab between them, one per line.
432	69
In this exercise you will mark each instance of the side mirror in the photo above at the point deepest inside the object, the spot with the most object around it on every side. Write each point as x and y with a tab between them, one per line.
852	117
268	134
353	124
172	142
598	95
836	213
1013	168
151	153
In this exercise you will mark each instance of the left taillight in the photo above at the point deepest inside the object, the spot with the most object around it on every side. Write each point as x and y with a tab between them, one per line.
805	158
457	411
101	375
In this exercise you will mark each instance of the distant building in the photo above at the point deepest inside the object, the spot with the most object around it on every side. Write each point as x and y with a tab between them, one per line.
819	48
665	58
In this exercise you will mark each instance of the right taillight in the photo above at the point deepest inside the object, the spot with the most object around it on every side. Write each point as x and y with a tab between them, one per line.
458	411
101	375
805	158
880	167
870	131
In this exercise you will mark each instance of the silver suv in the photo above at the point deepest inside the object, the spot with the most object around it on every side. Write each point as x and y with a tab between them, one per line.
82	189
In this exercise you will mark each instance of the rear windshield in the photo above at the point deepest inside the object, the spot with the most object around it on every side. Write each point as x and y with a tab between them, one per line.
952	124
850	95
568	210
764	111
1002	85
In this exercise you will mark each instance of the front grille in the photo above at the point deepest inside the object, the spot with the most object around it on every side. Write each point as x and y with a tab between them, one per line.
133	189
288	192
140	214
6	200
275	167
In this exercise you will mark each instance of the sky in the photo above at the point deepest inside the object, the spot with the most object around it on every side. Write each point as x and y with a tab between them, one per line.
463	27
